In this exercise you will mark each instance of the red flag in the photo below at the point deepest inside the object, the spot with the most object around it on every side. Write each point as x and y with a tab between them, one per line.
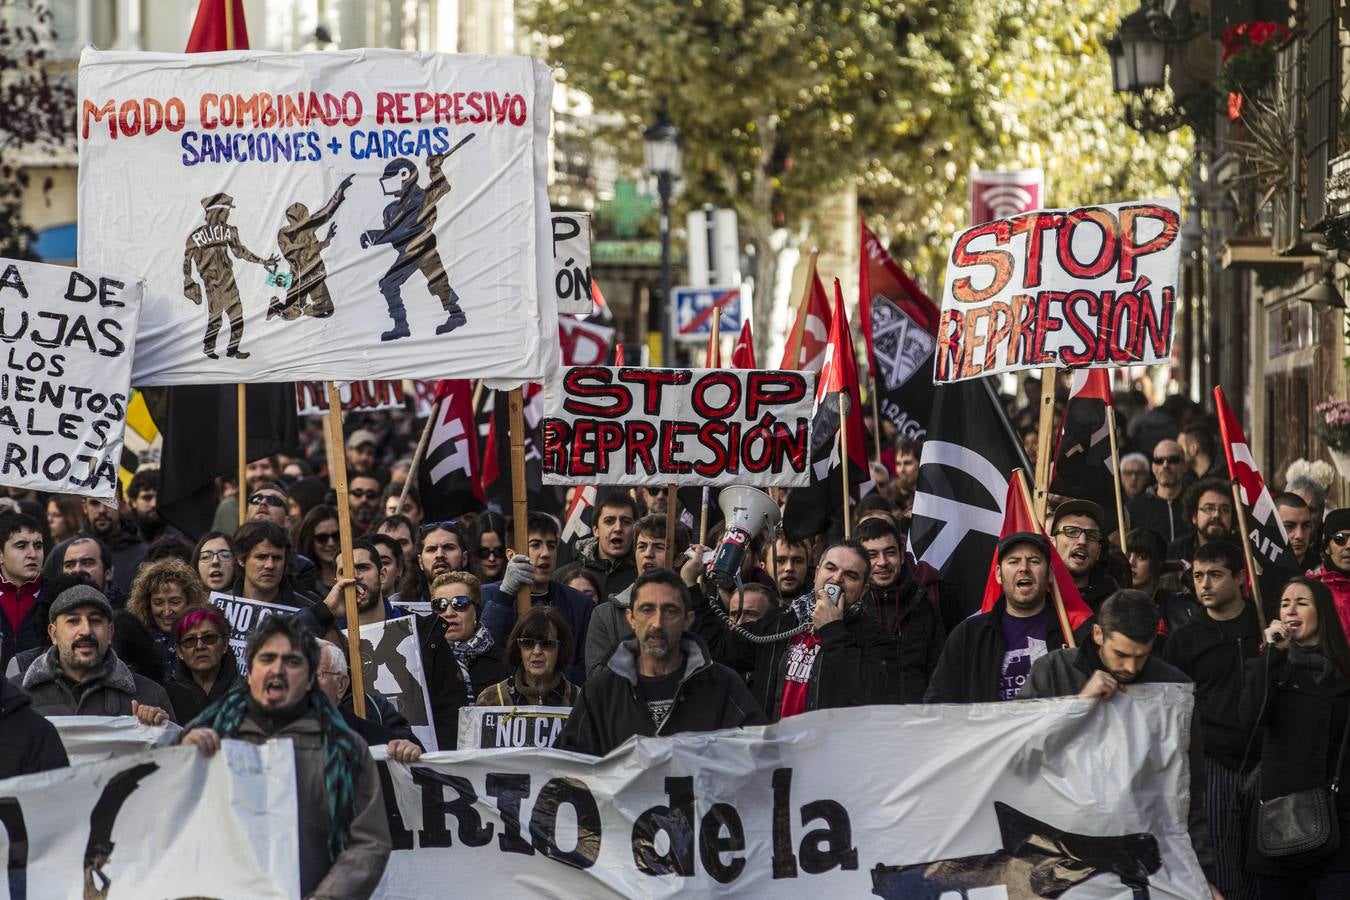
743	356
219	25
810	352
1017	517
1083	466
490	471
839	373
574	523
618	354
879	275
1266	534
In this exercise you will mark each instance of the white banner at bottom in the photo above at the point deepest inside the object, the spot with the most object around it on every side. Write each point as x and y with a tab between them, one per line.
1074	799
164	823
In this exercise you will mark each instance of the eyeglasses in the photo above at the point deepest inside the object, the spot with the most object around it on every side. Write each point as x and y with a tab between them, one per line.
215	555
1168	460
363	493
327	537
490	552
332	673
528	644
1341	538
1213	509
458	604
210	639
260	499
1073	533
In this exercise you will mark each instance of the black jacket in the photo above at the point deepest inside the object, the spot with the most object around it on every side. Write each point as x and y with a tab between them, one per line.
609	710
444	682
614	575
28	742
1100	586
1301	723
383	722
971	666
189	699
128	550
910	618
1215	662
1167	517
852	667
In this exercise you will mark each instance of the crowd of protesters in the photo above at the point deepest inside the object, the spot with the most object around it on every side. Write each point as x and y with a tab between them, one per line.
106	610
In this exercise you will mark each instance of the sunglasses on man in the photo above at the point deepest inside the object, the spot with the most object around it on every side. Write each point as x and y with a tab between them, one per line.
1168	460
261	499
458	604
1341	538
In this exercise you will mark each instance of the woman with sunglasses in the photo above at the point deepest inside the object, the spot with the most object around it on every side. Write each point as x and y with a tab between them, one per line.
489	551
317	539
537	652
207	667
1297	697
214	555
1334	571
458	652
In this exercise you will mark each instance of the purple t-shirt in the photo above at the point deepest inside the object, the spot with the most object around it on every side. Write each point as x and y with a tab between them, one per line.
1024	643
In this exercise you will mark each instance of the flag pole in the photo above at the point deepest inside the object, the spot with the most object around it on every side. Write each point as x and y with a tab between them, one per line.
1252	569
337	475
519	505
420	452
241	403
843	459
793	351
876	417
713	358
1057	597
1043	440
672	501
1115	470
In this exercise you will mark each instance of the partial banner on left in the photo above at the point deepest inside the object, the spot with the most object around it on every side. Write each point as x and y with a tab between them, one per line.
344	216
126	827
69	339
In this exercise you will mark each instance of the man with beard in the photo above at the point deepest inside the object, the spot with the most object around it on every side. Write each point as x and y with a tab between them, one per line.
1121	654
792	567
20	584
535	569
609	554
330	616
122	537
1298	526
143	495
1209	507
363	498
653	499
896	599
662	682
1213	648
80	674
263	552
906	479
989	655
1160	506
1334	571
343	833
443	548
841	658
1079	529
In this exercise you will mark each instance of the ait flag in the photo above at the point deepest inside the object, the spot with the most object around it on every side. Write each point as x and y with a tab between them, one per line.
219	26
577	524
493	418
448	476
743	355
808	355
899	323
1265	531
819	507
1084	468
968	459
1017	516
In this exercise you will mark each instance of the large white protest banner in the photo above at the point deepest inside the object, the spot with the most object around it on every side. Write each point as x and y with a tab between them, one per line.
391	663
1072	288
96	738
367	214
629	425
1082	799
504	727
244	615
69	338
167	823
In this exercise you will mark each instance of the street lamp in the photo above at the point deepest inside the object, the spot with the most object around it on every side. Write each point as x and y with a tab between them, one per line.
1138	56
661	153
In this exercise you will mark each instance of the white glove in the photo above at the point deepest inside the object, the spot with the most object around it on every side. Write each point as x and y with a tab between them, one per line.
517	574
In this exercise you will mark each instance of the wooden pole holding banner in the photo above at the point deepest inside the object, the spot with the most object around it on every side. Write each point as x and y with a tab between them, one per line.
876	419
241	402
672	504
337	475
229	25
711	359
1043	439
420	452
793	351
519	504
1056	596
1115	469
1253	569
843	460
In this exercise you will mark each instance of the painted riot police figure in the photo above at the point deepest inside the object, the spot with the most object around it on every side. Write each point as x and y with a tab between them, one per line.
409	226
210	246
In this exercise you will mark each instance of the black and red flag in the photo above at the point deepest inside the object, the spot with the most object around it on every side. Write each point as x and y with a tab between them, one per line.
1265	531
819	507
899	323
448	476
1084	467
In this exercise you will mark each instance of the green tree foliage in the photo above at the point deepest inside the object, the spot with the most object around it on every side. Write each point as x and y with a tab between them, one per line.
784	103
